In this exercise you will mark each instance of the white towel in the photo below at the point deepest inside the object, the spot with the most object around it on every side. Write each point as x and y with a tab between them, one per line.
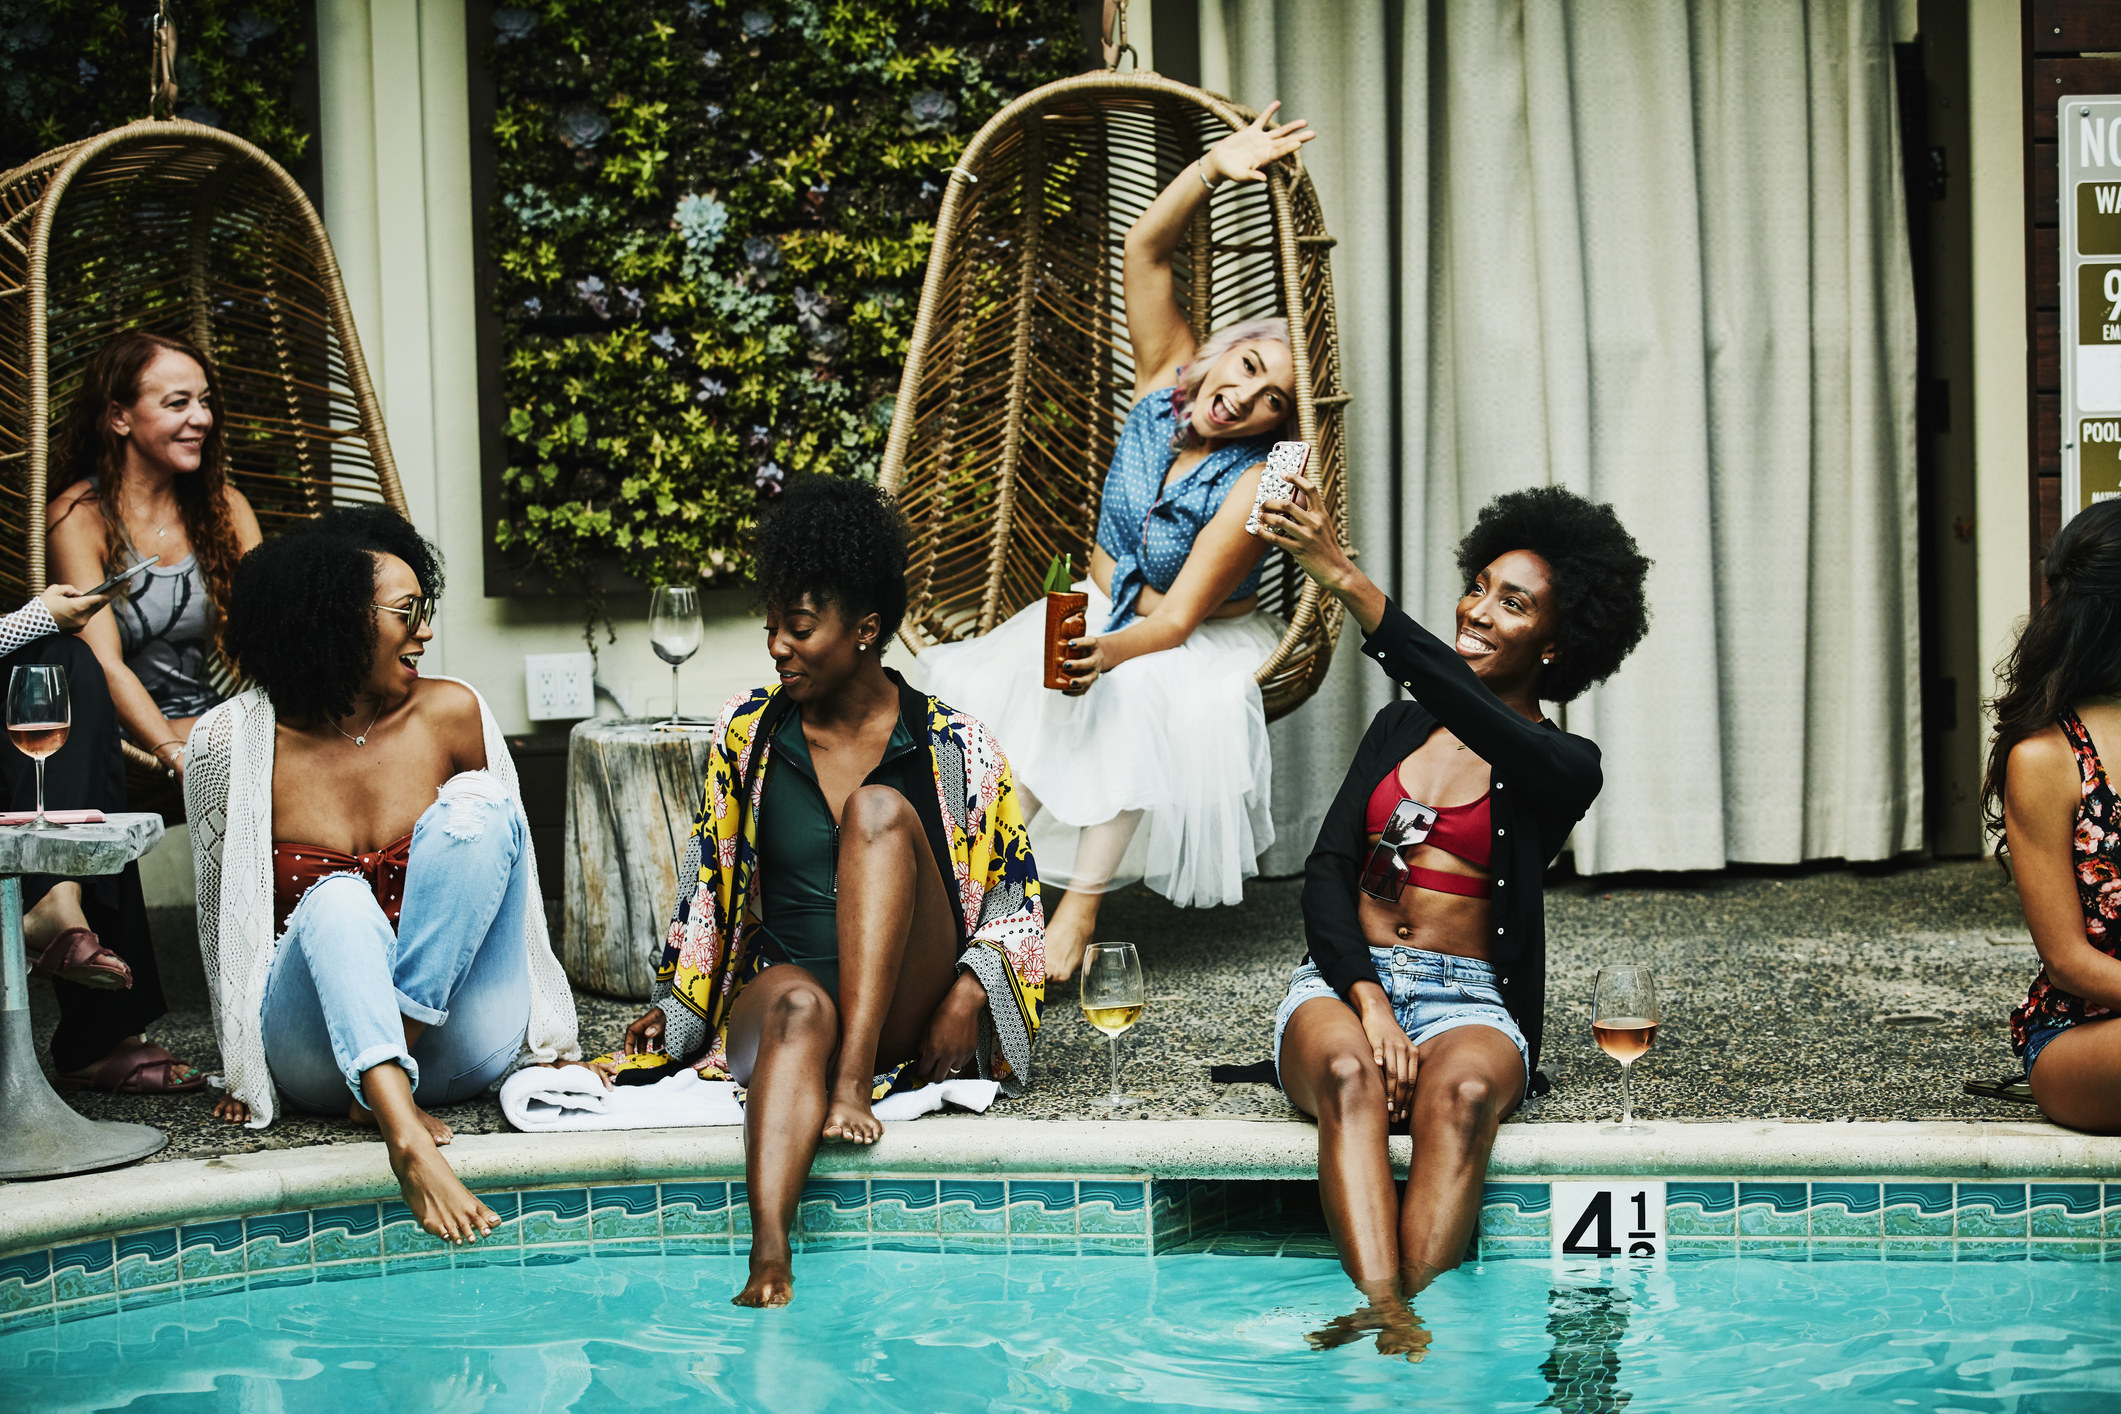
550	1099
543	1098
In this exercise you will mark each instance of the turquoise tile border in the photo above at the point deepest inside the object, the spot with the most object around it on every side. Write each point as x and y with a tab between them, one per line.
1825	1220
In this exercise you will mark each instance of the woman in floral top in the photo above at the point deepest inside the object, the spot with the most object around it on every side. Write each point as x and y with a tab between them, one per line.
2048	790
864	910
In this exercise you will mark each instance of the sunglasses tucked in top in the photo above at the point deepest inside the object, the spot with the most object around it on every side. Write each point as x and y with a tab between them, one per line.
1463	830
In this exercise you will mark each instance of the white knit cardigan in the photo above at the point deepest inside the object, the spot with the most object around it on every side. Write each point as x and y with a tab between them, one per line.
228	794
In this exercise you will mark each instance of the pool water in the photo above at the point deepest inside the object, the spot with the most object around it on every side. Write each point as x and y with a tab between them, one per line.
918	1332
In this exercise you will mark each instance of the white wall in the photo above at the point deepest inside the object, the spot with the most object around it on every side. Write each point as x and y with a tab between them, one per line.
1996	124
396	142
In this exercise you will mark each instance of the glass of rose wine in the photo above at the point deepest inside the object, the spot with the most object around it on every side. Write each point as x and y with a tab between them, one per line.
1113	997
1624	1023
39	714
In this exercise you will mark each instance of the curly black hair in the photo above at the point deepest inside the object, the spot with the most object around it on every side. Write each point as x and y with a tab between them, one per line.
1598	578
300	620
839	540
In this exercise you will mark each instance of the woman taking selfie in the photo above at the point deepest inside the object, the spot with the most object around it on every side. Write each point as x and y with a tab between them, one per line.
368	904
1162	732
1419	1004
146	474
866	909
2049	794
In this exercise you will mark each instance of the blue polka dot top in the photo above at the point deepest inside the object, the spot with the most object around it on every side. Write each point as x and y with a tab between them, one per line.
1148	529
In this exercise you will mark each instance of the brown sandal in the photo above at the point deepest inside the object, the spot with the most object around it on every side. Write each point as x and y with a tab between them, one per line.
78	956
145	1069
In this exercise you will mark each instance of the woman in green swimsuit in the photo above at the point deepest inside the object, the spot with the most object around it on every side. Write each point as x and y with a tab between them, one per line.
866	912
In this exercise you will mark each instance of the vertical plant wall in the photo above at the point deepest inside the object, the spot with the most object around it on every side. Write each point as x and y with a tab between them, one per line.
712	225
69	69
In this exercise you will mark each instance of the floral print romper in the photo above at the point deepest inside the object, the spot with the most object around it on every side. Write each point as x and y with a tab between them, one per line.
2095	854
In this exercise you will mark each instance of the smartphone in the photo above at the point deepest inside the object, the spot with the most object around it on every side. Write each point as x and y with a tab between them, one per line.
1275	480
140	567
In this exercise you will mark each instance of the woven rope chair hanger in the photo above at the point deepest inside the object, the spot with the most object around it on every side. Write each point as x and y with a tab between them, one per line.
178	228
1019	377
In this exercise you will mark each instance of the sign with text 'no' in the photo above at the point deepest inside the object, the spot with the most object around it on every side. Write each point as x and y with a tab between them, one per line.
2090	190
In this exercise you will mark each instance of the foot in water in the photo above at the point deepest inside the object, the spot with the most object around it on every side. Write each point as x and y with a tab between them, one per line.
438	1198
439	1132
1398	1330
848	1115
772	1283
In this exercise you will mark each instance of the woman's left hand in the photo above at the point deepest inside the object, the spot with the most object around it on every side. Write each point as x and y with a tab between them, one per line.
951	1038
1302	528
1084	665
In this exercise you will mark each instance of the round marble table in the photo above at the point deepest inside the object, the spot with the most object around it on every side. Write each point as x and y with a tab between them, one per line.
40	1137
632	792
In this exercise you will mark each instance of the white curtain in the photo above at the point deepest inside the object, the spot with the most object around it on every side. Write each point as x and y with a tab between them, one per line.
1654	251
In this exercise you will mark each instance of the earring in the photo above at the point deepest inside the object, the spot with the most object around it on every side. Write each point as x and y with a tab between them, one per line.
1548	661
861	648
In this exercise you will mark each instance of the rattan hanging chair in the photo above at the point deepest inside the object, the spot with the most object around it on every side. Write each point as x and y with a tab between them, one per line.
1019	378
179	228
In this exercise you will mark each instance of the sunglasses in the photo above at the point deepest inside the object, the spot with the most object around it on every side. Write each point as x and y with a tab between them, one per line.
417	615
1384	877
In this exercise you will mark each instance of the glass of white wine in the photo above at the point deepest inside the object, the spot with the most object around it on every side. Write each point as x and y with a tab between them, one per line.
675	630
1113	997
1624	1023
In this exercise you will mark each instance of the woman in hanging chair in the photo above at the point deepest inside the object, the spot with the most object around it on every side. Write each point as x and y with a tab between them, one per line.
1154	764
145	473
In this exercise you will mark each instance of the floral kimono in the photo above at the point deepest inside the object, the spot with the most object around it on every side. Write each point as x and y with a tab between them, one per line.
708	954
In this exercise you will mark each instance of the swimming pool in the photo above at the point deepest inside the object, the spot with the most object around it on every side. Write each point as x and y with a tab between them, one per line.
888	1330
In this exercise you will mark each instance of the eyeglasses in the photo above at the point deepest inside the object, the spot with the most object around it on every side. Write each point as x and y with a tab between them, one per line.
417	615
1385	875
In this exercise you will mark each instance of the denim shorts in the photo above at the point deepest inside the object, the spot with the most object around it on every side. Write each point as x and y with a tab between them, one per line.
2036	1039
1430	992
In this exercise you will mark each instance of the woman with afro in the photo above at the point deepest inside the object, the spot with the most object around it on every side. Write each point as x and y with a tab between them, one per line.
1420	1000
862	910
368	904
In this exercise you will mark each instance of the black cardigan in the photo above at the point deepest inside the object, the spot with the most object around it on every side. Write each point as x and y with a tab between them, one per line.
1543	779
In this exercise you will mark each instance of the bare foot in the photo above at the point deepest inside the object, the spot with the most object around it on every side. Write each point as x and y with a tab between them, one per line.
849	1117
57	911
439	1132
438	1198
1065	944
772	1283
1398	1330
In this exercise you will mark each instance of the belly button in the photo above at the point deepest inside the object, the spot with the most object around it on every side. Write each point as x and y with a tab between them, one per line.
1404	931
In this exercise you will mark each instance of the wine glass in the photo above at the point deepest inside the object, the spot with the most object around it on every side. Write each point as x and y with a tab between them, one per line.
674	629
1113	996
1624	1023
39	715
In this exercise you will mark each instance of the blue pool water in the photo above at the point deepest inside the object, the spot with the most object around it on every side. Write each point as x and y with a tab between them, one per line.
904	1331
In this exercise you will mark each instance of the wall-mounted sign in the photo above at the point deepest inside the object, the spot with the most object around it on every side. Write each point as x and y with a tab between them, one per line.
1600	1221
2090	132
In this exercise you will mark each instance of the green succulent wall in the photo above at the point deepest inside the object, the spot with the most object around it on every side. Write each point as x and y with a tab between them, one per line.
712	225
72	68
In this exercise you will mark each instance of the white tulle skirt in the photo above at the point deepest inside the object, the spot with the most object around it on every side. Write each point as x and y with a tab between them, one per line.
1180	736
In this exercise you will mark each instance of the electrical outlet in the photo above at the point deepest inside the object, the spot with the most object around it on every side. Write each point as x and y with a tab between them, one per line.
560	685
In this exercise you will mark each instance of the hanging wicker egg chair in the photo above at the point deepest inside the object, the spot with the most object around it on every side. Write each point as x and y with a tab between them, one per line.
1019	377
179	228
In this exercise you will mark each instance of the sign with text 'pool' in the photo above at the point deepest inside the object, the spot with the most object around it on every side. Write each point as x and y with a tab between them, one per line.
2090	133
1608	1221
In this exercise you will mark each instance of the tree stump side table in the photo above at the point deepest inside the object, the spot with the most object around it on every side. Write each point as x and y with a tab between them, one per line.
40	1136
632	793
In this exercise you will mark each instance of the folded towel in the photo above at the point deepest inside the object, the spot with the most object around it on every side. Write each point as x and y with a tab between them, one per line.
973	1095
550	1099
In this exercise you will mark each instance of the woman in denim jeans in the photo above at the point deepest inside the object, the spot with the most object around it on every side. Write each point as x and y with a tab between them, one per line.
1420	1001
376	944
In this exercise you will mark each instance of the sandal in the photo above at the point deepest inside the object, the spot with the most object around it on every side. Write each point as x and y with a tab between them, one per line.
2015	1088
145	1069
78	956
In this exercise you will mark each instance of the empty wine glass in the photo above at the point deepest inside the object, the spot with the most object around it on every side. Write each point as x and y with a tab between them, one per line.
1624	1023
674	629
39	715
1113	997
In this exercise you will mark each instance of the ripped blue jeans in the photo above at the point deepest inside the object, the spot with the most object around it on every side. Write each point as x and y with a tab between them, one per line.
343	981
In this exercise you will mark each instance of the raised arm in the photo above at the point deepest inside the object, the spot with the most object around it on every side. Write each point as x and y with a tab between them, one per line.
1162	340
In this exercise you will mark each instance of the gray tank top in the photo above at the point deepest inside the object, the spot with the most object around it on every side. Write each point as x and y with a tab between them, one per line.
165	625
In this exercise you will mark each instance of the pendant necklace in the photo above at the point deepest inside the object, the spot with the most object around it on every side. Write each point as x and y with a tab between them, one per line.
362	739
